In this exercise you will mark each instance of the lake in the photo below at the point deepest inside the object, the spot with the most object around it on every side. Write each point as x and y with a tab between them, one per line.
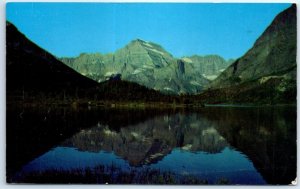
211	145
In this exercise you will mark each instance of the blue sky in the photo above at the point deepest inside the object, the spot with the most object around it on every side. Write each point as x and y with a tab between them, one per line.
68	29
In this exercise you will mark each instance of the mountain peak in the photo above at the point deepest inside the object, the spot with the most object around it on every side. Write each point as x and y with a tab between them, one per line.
150	47
145	44
283	23
139	40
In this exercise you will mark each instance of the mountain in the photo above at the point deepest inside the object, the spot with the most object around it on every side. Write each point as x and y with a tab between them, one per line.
211	66
267	72
34	74
148	64
31	71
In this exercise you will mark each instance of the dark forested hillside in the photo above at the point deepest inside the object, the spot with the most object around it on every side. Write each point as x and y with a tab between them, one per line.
31	71
34	74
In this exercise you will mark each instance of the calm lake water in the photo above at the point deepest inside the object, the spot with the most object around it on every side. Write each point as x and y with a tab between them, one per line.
236	145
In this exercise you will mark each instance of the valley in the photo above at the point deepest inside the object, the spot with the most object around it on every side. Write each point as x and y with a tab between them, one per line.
262	76
140	115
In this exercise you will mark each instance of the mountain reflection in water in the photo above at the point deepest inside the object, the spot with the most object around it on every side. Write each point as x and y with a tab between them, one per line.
244	145
151	140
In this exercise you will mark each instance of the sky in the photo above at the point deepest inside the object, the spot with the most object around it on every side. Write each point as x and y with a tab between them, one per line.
68	29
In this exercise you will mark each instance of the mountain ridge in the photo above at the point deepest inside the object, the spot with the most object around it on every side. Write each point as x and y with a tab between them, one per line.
148	64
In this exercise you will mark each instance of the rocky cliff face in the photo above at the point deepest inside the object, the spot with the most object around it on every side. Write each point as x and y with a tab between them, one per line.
148	64
211	66
267	72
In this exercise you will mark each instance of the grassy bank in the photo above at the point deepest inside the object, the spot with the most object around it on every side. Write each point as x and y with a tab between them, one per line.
112	175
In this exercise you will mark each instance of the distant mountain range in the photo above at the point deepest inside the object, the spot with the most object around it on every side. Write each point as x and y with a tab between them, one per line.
148	64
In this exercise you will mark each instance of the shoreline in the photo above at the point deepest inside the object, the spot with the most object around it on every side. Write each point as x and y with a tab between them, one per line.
135	104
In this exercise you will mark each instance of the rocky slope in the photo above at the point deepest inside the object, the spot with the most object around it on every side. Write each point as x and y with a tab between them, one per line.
150	65
267	70
211	66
